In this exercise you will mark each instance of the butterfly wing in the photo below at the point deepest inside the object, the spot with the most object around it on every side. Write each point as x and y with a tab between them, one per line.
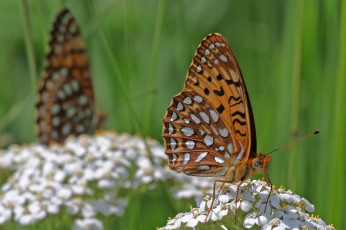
209	126
66	102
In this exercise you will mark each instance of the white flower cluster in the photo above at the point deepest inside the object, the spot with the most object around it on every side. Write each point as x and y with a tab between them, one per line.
284	209
46	179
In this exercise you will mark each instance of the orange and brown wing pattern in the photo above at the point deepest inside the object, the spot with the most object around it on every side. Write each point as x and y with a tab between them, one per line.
194	137
216	130
66	102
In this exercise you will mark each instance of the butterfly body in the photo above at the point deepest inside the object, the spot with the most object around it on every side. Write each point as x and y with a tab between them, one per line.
66	103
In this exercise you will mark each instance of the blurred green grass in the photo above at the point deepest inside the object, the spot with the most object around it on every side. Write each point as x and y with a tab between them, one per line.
292	55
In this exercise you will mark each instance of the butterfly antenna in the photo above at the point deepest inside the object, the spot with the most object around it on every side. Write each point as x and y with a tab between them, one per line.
314	133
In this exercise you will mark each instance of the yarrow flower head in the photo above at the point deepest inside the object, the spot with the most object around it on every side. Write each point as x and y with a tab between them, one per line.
49	178
281	210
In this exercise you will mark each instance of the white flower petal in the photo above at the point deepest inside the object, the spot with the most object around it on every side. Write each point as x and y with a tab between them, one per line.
246	205
278	213
275	201
222	213
263	219
192	223
202	206
174	224
249	221
25	220
82	224
223	198
248	196
201	218
186	218
306	204
290	215
88	211
213	216
224	227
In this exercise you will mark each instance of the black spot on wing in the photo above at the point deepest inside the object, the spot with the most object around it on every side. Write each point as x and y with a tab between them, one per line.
233	98
219	92
220	109
206	91
240	122
237	103
231	82
197	82
200	71
241	134
238	113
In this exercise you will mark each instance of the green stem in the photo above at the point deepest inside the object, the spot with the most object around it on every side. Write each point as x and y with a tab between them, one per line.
154	61
295	91
336	206
29	44
118	74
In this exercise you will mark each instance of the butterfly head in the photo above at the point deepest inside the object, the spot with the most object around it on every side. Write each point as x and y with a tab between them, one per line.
247	169
260	163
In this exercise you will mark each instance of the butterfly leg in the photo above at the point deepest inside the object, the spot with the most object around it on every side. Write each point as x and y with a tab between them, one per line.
221	187
236	201
266	177
212	203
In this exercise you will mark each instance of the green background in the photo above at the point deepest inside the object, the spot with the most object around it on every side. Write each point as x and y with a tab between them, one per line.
292	54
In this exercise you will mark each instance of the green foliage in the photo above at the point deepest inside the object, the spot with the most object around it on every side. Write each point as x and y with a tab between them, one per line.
292	55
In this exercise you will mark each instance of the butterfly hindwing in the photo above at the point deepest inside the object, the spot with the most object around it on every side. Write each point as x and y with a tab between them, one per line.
193	134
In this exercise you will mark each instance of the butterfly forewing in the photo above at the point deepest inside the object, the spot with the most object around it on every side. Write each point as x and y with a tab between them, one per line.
215	73
225	135
66	100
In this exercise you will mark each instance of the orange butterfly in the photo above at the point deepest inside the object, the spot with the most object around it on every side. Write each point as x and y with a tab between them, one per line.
209	128
66	103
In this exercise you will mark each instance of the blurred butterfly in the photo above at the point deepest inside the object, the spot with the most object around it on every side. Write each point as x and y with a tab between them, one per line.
66	103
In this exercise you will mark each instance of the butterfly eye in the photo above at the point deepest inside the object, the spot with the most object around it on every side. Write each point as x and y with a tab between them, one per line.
257	163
